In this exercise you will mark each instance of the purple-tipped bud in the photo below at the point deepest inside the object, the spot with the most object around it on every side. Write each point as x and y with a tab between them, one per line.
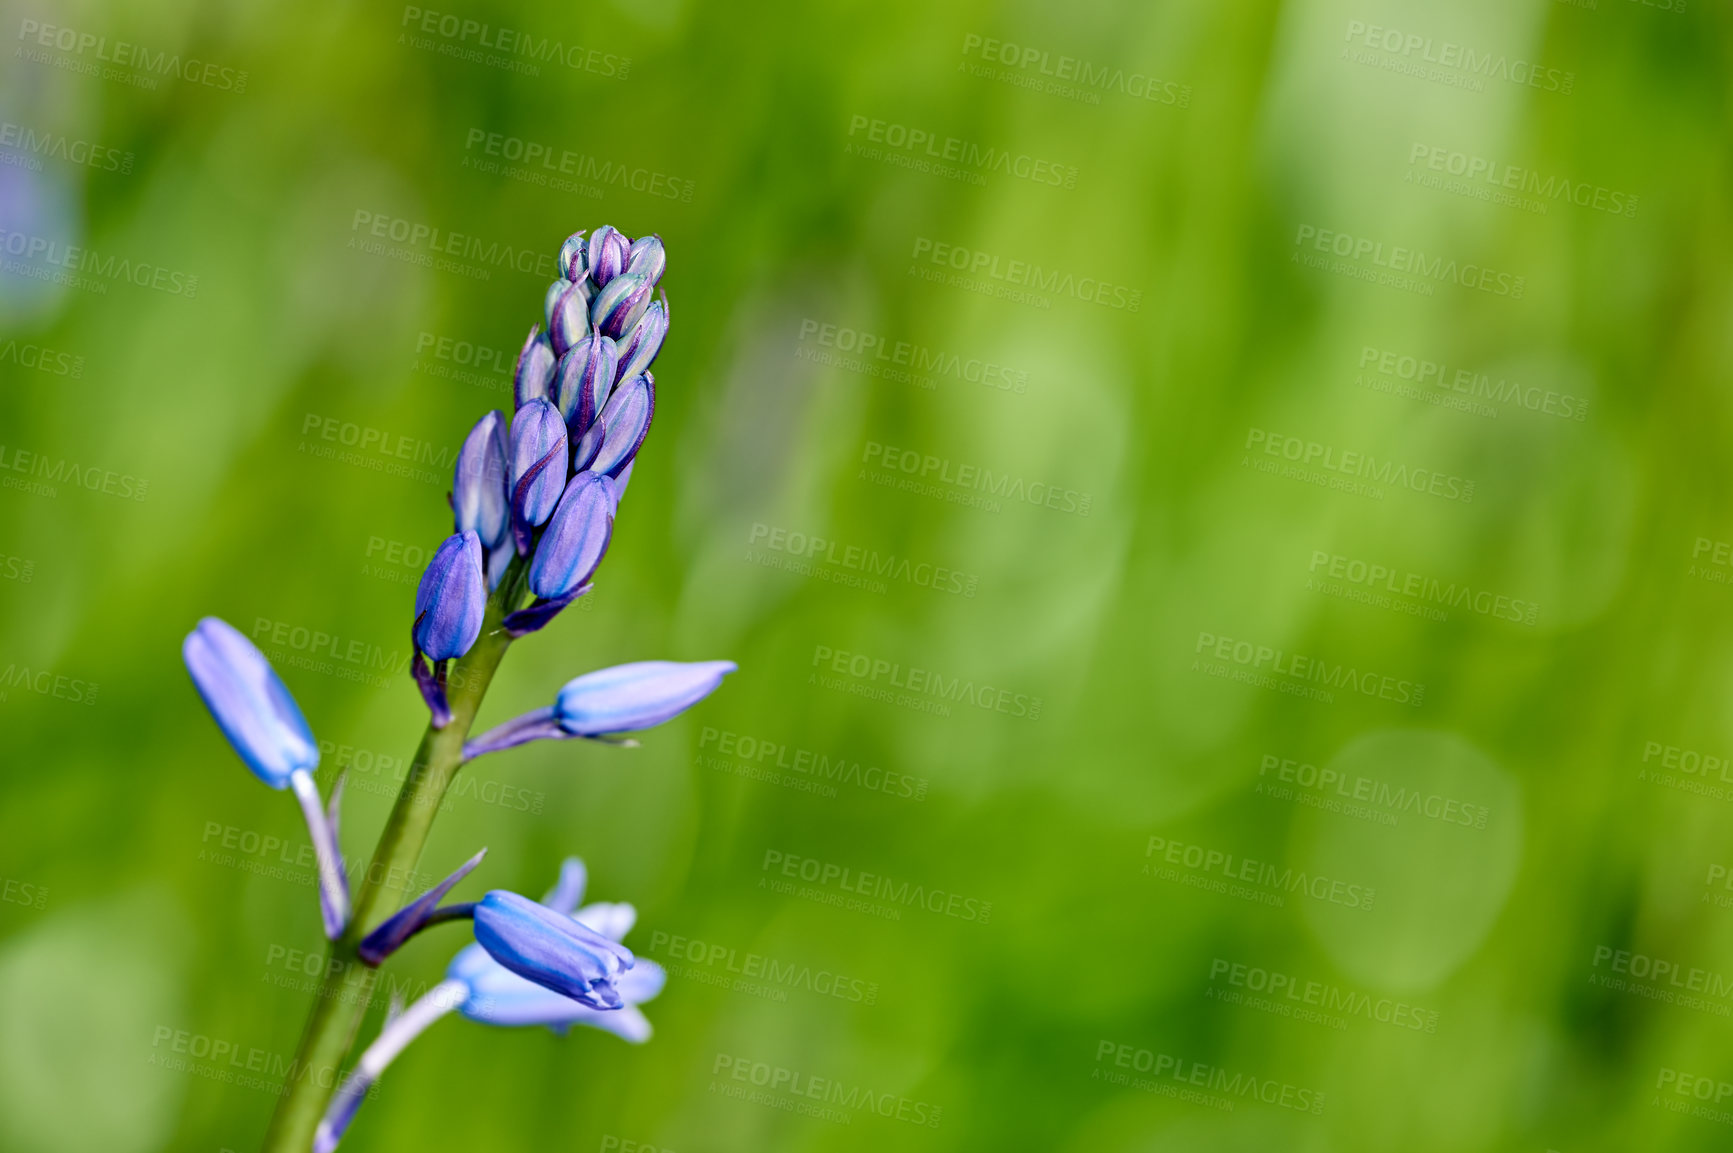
572	256
640	695
571	319
626	421
586	374
479	497
538	463
576	539
638	350
249	702
609	252
451	599
620	305
647	258
555	951
552	297
535	368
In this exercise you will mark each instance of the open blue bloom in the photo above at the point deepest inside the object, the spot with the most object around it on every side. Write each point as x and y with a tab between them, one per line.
647	258
639	347
621	304
608	254
478	496
264	724
450	603
551	949
538	467
482	989
621	699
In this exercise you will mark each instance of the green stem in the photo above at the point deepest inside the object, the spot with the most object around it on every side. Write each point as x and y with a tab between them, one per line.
347	988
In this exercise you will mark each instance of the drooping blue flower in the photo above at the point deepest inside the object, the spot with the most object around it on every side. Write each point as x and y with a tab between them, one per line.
639	347
538	466
451	599
586	374
608	254
647	258
626	420
478	496
534	373
551	949
264	725
620	305
621	699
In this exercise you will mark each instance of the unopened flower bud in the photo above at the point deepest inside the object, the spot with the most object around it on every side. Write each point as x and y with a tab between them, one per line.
576	539
451	599
639	348
479	497
620	305
572	256
626	421
608	254
538	466
586	374
647	258
571	319
535	368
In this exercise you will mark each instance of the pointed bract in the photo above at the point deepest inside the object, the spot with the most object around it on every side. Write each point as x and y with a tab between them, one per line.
407	921
249	703
451	599
479	497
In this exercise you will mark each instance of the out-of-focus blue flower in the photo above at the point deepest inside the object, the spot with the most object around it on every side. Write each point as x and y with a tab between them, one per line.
576	538
538	466
551	949
647	258
264	724
621	699
478	496
586	374
249	702
626	420
534	373
621	304
451	599
639	348
608	254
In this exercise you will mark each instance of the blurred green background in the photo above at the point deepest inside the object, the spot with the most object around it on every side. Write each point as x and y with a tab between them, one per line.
1371	802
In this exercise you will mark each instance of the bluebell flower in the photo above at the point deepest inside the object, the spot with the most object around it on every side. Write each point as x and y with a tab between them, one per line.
481	988
570	319
572	256
586	374
479	498
621	304
538	467
551	949
534	373
569	551
626	422
647	258
264	725
608	254
639	347
450	603
621	699
551	299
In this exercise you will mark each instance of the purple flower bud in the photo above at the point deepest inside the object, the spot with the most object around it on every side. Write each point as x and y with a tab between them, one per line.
587	447
249	703
479	496
608	254
571	260
451	599
586	373
626	420
576	539
535	368
639	348
620	305
538	465
570	321
555	951
647	258
640	695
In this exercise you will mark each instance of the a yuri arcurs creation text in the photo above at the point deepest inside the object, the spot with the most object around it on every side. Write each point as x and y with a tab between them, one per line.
534	503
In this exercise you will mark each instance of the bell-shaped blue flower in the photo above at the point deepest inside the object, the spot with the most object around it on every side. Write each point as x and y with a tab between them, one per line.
478	497
249	702
626	421
538	466
586	374
621	699
572	256
647	258
639	348
609	252
620	305
534	373
553	950
264	725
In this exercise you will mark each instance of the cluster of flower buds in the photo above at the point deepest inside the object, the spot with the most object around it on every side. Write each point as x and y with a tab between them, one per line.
546	485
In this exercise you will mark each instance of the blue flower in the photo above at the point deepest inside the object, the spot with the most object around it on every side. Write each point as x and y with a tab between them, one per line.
538	466
478	496
647	258
608	254
534	373
451	599
576	538
573	256
619	306
621	699
638	348
551	949
625	422
586	373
